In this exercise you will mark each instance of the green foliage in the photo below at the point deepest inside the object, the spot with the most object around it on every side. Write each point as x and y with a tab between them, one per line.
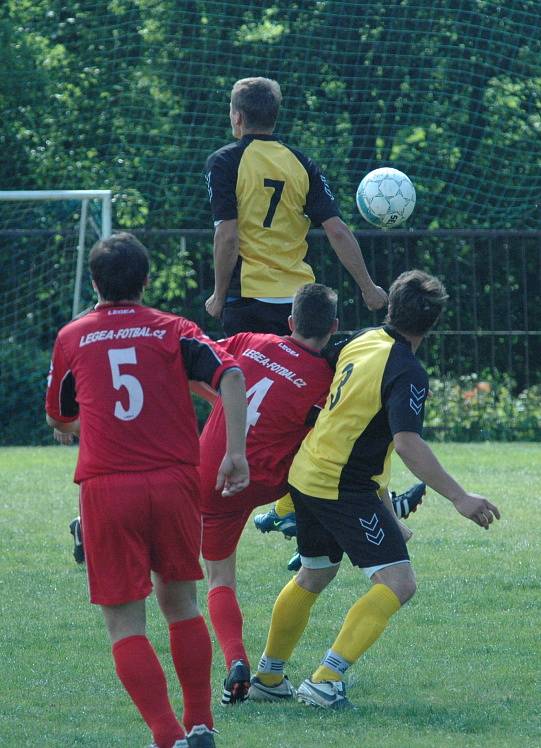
202	410
134	96
471	409
172	276
22	395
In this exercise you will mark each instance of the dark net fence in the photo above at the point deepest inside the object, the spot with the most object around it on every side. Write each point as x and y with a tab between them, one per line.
492	322
483	358
133	96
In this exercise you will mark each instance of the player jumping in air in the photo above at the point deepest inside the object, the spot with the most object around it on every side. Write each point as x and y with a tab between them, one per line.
263	196
376	403
119	379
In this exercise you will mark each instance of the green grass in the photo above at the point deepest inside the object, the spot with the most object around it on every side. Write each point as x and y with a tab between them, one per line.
459	666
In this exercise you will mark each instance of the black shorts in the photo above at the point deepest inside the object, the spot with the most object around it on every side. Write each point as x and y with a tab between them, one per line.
251	315
359	525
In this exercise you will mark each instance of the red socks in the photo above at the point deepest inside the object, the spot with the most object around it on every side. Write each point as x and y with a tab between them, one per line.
192	655
226	618
140	672
142	676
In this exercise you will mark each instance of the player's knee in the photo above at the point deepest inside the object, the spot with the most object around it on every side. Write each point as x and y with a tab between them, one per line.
221	573
408	588
400	578
315	580
177	600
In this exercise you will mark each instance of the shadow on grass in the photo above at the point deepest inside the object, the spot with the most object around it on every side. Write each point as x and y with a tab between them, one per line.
413	716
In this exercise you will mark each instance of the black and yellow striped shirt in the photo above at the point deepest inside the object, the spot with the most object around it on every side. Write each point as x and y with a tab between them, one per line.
378	390
274	191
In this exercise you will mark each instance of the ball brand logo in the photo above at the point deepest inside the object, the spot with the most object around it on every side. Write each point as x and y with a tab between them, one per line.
385	197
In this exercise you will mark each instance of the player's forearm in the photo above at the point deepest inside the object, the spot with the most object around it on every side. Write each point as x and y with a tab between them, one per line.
226	253
419	458
348	252
233	393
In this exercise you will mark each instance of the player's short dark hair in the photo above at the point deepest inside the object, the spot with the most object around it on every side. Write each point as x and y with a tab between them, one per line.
119	267
416	300
258	99
314	310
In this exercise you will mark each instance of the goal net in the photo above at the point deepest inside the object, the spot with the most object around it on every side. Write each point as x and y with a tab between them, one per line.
136	94
44	239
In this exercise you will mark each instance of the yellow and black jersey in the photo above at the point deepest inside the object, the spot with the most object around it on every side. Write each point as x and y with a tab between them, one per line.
273	191
378	390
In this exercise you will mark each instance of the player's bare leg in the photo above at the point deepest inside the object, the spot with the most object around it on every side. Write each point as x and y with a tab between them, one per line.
400	578
227	621
125	620
177	600
222	572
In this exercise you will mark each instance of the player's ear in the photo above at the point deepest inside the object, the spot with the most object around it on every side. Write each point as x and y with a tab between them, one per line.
291	323
334	327
235	118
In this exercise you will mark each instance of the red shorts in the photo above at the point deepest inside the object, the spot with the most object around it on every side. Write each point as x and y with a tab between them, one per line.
224	517
137	522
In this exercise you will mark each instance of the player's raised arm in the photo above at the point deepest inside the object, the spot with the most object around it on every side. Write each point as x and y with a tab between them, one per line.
234	475
349	253
423	463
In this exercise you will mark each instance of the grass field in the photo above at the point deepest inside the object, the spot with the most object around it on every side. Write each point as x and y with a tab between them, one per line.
459	666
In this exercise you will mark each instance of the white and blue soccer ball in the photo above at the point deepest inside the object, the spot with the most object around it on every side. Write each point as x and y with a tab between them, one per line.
386	197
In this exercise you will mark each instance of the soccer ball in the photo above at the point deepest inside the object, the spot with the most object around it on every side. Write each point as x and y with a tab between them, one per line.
386	197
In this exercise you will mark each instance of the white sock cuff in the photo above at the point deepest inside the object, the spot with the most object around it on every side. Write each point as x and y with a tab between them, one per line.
270	665
335	662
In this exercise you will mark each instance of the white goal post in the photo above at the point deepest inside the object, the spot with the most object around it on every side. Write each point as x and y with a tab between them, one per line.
102	231
45	236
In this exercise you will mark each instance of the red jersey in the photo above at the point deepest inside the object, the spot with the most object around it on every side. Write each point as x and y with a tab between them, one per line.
124	370
284	381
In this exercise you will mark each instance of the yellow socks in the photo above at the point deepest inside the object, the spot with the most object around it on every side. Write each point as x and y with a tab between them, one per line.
363	624
284	506
289	618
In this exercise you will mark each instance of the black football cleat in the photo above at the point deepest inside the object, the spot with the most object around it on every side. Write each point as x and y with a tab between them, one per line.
236	684
78	548
406	503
